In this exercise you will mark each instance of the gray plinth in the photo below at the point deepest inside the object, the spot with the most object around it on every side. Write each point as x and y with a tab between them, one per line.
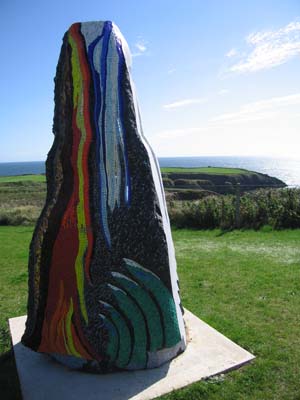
208	353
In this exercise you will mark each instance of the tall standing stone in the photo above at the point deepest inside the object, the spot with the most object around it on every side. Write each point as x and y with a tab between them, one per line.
103	287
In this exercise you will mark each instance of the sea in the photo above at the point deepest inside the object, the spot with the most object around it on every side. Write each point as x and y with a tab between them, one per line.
286	169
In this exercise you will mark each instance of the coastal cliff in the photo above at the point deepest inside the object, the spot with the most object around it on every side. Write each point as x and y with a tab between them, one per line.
193	183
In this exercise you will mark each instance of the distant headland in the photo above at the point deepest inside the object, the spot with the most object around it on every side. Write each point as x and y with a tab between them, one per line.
194	183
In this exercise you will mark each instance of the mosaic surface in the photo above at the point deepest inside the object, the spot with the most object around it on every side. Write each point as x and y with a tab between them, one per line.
103	287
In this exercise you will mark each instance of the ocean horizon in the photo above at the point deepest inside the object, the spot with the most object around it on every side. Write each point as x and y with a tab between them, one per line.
286	169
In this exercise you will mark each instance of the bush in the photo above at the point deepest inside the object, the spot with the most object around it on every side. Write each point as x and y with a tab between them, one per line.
24	215
185	183
168	182
188	194
277	208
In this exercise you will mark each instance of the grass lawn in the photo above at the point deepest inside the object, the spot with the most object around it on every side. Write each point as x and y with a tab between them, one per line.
206	170
244	284
23	178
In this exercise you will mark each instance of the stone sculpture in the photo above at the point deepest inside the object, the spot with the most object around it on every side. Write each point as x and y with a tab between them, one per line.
103	287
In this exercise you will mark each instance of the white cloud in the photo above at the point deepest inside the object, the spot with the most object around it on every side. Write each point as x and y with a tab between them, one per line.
222	92
184	103
231	53
141	48
269	49
268	127
171	71
176	133
259	110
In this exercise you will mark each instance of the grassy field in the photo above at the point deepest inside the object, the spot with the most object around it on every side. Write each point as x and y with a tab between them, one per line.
22	178
21	201
244	284
206	170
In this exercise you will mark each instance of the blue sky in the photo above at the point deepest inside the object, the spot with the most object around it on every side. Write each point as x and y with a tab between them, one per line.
213	77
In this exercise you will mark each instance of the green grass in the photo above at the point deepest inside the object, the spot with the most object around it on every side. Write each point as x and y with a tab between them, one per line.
13	294
207	170
23	178
245	284
204	170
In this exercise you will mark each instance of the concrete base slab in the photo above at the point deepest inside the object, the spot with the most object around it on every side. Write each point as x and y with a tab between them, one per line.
208	353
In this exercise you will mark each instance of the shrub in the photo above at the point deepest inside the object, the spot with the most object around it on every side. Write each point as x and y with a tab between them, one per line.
24	215
277	208
168	182
186	183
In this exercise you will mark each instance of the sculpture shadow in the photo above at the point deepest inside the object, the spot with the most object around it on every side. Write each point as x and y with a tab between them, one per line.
9	383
